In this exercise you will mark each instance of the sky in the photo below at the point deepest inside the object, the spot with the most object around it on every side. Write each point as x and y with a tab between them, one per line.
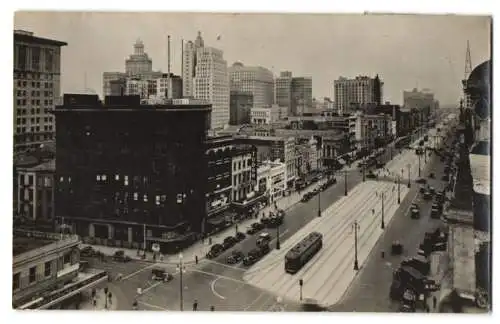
406	51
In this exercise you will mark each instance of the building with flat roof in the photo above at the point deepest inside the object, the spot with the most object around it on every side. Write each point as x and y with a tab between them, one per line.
45	270
352	94
256	80
146	174
37	83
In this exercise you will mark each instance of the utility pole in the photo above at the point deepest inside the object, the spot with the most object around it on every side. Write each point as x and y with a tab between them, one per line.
319	203
345	183
278	246
409	176
144	234
399	190
419	165
382	225
356	227
181	288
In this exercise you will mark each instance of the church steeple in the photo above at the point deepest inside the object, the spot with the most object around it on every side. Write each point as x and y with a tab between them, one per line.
199	41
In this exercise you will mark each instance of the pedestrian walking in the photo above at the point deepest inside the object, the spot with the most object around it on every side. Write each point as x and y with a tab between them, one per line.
212	308
434	302
195	305
94	302
110	296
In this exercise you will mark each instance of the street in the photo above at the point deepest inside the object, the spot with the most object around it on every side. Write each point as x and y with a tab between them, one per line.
370	290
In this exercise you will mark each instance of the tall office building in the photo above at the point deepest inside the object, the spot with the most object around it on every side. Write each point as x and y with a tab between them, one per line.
351	94
256	80
189	64
37	74
301	95
138	62
295	93
211	83
283	89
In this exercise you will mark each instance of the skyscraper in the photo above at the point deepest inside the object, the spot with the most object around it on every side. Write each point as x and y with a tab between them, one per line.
138	62
211	83
37	73
356	93
283	89
295	93
256	80
189	64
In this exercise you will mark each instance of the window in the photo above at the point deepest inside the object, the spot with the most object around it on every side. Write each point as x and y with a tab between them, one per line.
16	281
32	276
67	258
145	198
117	177
47	269
103	177
136	196
125	180
98	178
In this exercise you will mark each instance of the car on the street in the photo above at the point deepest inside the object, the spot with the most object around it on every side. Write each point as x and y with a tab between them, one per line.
306	197
445	177
240	236
427	195
371	175
432	175
435	211
406	308
251	230
432	190
415	213
161	274
120	256
229	242
215	251
87	251
312	305
263	239
235	257
396	248
422	189
252	257
421	181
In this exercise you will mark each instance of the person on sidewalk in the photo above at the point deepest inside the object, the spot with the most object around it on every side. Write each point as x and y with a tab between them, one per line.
434	302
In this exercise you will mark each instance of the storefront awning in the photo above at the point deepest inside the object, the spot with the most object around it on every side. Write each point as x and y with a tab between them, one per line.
249	202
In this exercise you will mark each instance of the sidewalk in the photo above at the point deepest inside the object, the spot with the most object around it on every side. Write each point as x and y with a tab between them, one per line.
101	301
200	249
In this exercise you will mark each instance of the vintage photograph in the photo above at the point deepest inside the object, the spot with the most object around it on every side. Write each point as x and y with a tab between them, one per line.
244	162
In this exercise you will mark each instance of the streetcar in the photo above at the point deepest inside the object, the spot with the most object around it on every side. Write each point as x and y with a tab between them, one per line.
302	252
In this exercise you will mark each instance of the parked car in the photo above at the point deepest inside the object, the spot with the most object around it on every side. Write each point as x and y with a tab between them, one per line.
427	195
215	251
240	236
421	181
396	248
229	242
87	251
422	189
371	175
235	257
445	177
161	274
264	239
414	213
251	230
121	257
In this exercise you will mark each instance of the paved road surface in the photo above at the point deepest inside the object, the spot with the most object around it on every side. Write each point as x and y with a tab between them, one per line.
370	290
330	272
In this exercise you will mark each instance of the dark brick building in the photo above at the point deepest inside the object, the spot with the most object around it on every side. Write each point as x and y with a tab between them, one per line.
130	173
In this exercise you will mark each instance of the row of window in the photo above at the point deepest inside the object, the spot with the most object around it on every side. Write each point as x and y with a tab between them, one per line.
34	93
46	85
33	120
32	273
32	111
34	129
33	76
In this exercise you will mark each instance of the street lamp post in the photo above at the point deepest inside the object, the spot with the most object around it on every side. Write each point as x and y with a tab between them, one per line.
419	165
356	227
181	286
345	183
301	283
399	190
409	176
382	225
425	155
278	246
319	203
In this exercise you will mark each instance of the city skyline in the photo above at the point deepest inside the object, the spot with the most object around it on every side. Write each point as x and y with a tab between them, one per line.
414	51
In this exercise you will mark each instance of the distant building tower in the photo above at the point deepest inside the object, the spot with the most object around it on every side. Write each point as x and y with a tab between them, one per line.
295	93
211	83
360	92
283	89
139	62
189	65
256	80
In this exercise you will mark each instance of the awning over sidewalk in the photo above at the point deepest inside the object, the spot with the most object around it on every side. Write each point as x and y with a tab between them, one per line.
221	218
251	201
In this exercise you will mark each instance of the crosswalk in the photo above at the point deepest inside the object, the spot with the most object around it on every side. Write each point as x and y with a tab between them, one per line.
327	276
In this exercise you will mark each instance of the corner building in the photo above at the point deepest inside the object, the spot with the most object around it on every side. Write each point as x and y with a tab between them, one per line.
147	174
